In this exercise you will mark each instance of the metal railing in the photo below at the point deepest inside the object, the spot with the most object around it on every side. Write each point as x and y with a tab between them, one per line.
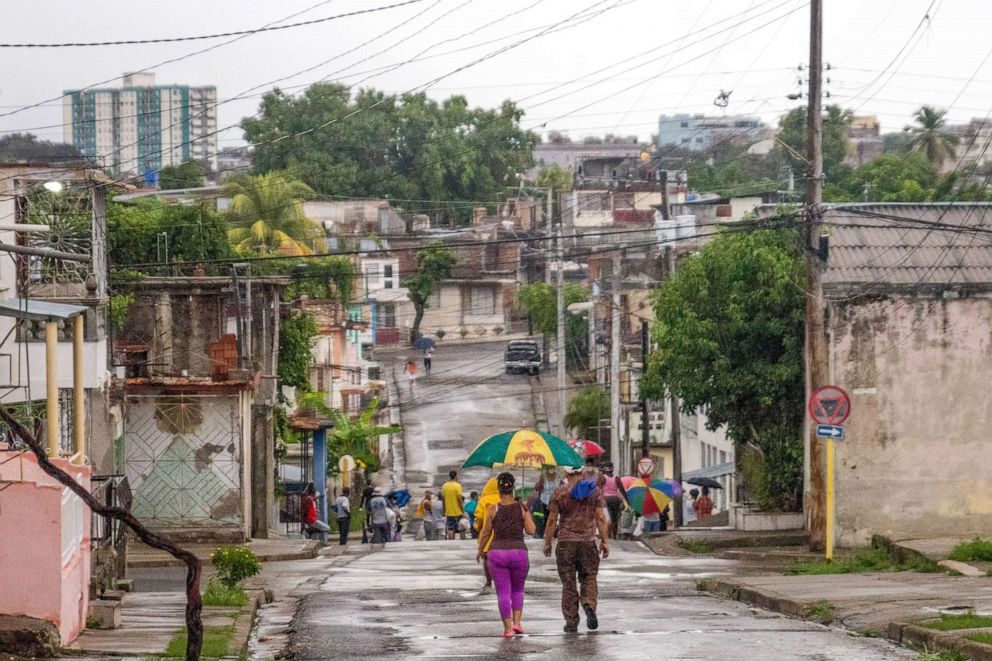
109	536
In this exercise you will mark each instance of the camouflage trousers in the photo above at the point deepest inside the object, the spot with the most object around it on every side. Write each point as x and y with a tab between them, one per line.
577	559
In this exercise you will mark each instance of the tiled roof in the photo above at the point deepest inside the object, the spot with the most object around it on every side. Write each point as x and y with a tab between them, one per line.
879	245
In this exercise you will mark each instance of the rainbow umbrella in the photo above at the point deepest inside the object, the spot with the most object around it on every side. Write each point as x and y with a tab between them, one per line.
644	498
587	448
523	448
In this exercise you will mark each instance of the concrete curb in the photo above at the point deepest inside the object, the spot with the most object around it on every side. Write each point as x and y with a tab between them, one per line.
922	638
747	594
308	552
246	622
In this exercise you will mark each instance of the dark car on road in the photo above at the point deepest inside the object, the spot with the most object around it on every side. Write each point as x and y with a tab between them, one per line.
522	356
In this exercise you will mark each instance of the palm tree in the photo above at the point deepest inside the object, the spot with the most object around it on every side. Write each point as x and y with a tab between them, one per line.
931	137
269	210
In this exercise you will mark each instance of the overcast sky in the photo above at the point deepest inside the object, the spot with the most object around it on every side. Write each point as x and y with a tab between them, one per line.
665	56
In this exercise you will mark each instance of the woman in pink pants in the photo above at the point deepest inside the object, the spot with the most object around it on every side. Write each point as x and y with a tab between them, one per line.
506	523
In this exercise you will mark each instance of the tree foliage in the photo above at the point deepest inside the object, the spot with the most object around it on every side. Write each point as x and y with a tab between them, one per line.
434	264
930	136
27	148
792	131
729	333
728	169
296	334
377	145
184	175
139	233
540	301
267	214
330	277
356	437
586	409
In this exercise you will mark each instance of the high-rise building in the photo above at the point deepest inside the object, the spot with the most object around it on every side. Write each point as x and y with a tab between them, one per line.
699	132
141	127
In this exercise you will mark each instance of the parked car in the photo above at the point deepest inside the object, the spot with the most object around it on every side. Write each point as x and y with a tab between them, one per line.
522	356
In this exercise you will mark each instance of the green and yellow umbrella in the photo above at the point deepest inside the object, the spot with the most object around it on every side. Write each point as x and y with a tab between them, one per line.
524	449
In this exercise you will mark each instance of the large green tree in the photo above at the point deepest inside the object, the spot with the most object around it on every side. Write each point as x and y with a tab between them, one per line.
434	264
540	301
792	131
356	437
930	136
184	175
585	411
26	147
729	334
374	144
267	214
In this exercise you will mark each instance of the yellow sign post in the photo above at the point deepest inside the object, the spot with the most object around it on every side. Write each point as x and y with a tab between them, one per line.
829	408
830	499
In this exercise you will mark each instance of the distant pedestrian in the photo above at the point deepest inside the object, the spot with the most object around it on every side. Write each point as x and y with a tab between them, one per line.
506	523
425	512
396	520
380	518
454	504
440	521
411	374
703	505
577	513
688	506
310	517
545	488
428	358
470	507
366	498
343	507
490	496
615	496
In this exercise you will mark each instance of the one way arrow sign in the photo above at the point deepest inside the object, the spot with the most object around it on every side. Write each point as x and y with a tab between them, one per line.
835	432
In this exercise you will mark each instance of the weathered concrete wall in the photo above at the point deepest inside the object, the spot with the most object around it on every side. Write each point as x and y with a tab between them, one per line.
916	458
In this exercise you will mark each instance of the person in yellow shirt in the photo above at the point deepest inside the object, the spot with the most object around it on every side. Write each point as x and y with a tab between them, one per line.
490	496
454	504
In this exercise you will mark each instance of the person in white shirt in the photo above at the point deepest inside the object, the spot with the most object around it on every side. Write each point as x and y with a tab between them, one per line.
688	511
343	507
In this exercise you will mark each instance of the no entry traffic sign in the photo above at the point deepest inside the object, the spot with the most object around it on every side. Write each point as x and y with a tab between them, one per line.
645	466
829	406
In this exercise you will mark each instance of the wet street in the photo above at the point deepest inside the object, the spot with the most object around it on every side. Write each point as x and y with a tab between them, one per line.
424	600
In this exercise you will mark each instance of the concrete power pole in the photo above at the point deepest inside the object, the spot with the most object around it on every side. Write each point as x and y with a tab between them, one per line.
676	422
560	340
615	340
645	408
816	346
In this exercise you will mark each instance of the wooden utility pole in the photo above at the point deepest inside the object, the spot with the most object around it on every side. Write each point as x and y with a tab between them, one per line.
676	420
814	496
560	330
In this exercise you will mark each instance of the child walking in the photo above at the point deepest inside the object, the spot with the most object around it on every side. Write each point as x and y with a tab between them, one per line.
506	522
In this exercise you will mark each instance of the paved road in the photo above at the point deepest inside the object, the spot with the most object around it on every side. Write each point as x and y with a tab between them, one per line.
423	600
466	398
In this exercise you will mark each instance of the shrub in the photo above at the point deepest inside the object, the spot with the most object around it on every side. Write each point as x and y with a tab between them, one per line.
976	550
218	594
234	564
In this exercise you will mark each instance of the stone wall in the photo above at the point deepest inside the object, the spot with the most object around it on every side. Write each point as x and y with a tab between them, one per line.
915	461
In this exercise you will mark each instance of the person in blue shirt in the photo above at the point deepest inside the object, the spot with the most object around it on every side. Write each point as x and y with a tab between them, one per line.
473	502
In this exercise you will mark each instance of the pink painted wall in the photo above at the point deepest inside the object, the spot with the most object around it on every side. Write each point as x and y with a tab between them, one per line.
39	580
916	461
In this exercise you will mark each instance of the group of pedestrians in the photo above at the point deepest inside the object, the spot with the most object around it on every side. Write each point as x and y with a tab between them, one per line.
445	516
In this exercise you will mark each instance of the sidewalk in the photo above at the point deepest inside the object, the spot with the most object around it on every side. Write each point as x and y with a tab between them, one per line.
266	550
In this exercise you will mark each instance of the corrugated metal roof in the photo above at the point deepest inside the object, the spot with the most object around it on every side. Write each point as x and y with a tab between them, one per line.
22	308
715	471
909	244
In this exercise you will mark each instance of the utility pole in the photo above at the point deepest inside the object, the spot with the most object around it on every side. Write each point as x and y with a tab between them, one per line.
676	422
663	176
615	364
816	347
560	340
645	408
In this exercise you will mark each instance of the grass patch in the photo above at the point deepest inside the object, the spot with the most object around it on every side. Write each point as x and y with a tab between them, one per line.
875	559
216	642
822	611
980	638
963	621
218	594
696	546
975	550
870	632
943	655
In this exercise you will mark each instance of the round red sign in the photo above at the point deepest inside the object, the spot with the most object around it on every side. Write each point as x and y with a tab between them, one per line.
829	406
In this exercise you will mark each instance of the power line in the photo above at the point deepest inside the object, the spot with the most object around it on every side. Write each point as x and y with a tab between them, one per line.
218	35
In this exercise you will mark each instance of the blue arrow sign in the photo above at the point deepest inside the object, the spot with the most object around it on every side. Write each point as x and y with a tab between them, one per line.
835	432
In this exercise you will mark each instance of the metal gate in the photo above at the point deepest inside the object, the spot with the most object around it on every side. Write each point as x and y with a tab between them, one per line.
184	460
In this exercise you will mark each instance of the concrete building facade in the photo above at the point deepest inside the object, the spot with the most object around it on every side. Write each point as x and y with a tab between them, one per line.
141	127
700	132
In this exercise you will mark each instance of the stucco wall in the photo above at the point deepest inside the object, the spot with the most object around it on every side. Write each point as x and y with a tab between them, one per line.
916	458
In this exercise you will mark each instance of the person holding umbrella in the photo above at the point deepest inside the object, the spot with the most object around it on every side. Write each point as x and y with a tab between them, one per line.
577	513
703	505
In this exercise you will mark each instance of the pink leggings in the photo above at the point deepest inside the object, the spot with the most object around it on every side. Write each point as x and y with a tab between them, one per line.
509	568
